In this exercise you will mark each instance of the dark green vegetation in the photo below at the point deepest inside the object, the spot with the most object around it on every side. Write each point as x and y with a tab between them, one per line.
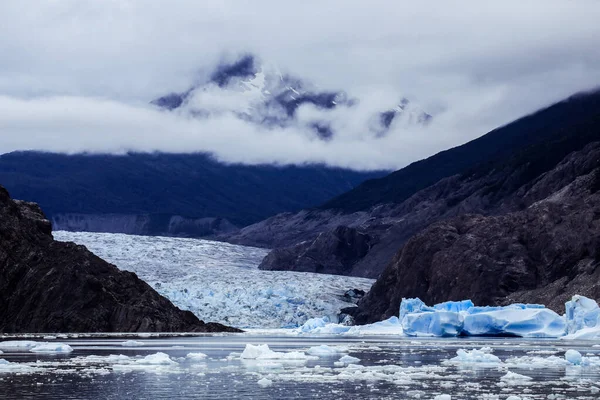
571	121
192	185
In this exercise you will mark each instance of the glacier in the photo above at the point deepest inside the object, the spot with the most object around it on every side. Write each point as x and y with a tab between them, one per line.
221	282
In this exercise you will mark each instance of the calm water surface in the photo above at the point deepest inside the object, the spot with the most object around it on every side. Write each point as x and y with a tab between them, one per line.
389	368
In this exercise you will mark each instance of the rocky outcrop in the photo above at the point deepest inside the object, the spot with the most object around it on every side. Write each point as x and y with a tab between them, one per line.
49	286
343	247
545	253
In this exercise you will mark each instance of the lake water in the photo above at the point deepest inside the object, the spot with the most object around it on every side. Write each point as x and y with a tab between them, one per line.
387	368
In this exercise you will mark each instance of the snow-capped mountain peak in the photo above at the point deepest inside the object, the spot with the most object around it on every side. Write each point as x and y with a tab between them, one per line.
261	94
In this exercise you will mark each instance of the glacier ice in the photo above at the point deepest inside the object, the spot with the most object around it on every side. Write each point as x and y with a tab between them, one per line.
432	323
221	282
463	318
583	318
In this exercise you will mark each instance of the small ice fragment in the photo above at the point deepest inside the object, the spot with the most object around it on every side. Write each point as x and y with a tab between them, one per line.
157	359
264	382
325	351
482	355
443	397
573	356
513	377
49	337
132	343
196	356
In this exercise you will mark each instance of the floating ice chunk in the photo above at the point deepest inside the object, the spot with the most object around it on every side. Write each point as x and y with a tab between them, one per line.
512	378
514	320
443	397
349	360
574	357
49	337
110	359
263	352
156	359
264	382
436	323
196	356
51	348
132	343
483	356
514	398
326	351
15	345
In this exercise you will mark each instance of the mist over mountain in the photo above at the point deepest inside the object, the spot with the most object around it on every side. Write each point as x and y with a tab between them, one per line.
259	93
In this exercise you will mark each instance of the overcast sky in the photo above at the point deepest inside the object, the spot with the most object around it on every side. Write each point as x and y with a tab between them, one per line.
77	75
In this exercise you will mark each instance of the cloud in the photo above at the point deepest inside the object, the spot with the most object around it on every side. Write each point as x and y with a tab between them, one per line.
78	75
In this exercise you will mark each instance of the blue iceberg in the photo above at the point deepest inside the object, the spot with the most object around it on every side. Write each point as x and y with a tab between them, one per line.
463	318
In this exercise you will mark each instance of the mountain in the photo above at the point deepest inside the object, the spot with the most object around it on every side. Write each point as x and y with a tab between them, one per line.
49	286
545	253
261	94
176	194
488	176
496	145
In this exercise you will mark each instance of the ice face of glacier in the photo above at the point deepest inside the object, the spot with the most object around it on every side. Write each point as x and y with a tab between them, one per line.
463	318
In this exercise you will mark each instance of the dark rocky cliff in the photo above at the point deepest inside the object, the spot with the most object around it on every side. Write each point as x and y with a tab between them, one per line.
496	186
49	286
544	253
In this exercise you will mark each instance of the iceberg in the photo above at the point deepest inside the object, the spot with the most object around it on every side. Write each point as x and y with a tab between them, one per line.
463	318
